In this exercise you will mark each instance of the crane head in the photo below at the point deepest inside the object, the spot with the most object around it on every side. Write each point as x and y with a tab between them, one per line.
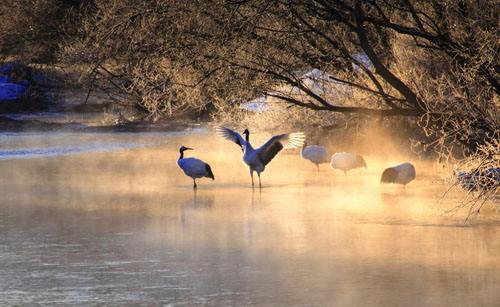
247	135
182	148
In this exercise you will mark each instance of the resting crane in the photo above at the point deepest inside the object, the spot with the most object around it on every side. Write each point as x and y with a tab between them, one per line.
402	174
315	153
346	161
480	180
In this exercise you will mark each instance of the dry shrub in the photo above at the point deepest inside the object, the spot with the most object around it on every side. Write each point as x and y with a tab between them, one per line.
479	176
31	31
461	124
374	136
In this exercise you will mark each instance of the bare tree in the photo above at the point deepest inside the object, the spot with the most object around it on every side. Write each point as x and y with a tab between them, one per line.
32	30
432	61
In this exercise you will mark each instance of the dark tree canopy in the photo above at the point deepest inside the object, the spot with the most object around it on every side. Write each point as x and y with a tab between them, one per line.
436	61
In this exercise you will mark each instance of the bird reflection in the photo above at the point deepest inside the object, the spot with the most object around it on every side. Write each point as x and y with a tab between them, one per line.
393	197
200	201
256	200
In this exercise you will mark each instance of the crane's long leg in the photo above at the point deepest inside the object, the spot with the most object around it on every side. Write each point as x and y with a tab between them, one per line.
317	166
260	185
251	175
194	184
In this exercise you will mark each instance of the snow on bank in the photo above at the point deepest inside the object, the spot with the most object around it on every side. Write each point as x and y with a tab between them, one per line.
317	81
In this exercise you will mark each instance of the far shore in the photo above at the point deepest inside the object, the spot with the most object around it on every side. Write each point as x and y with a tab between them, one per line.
8	124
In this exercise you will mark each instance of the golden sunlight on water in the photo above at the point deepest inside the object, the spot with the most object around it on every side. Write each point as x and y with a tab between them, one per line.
124	226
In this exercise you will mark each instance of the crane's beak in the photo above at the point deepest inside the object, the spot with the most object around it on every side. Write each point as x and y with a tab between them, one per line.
187	148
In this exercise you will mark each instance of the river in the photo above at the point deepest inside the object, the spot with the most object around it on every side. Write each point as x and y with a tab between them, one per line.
109	218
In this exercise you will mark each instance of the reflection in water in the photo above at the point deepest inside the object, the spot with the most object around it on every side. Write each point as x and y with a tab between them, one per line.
256	198
126	227
393	197
203	203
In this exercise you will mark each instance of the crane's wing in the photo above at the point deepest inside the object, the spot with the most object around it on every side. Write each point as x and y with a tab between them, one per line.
275	144
231	135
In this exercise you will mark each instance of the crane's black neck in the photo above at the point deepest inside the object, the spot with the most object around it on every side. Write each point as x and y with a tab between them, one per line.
181	151
247	135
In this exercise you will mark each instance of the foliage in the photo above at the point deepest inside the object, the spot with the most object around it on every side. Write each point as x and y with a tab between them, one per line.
434	61
32	30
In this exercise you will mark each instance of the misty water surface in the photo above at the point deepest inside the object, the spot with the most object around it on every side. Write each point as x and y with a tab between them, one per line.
109	218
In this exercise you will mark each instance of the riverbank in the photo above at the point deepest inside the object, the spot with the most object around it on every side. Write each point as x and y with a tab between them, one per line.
42	122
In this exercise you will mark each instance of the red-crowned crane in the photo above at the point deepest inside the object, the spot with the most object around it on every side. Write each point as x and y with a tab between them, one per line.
346	161
194	168
480	180
258	158
315	153
402	174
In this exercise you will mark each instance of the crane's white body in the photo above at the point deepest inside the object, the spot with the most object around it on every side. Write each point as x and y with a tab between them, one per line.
480	180
251	158
316	154
346	161
403	174
192	167
258	158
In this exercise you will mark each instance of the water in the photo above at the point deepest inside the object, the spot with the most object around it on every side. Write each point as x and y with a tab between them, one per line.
120	224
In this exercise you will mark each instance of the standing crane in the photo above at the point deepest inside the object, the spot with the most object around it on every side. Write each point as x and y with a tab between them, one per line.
346	161
194	168
258	158
315	153
402	174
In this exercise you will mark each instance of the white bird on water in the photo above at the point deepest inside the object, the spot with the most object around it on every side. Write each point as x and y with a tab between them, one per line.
315	153
402	174
480	180
192	167
346	161
258	158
